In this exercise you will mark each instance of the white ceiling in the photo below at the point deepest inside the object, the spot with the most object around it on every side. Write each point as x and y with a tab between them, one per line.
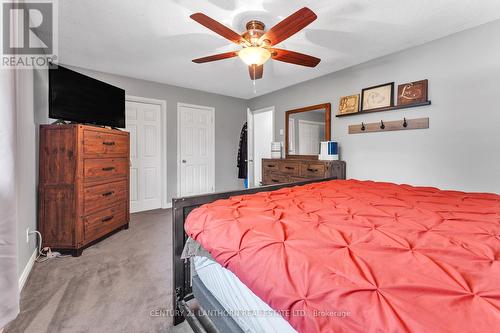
156	40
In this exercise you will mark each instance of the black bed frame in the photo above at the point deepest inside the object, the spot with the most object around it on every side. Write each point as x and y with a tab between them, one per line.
182	291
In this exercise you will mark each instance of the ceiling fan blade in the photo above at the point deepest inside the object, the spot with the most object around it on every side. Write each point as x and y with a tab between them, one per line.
217	27
290	26
216	57
256	72
294	58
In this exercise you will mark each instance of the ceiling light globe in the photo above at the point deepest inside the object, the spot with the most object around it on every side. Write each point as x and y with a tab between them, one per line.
253	55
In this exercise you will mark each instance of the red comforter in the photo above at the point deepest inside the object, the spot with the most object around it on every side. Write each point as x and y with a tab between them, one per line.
353	256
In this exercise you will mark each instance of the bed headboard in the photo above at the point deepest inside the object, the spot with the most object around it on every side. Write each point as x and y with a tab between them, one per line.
181	207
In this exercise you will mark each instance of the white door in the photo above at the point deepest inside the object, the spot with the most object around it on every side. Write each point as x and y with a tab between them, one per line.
144	124
262	127
309	137
196	134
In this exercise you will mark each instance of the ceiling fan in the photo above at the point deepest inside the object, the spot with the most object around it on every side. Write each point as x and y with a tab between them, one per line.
258	44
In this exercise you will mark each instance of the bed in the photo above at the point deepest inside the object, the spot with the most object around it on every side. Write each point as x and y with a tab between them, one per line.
352	256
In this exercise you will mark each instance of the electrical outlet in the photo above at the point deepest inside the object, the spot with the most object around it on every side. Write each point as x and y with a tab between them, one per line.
27	235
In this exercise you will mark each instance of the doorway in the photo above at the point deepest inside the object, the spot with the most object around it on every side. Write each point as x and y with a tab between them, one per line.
195	149
146	121
260	128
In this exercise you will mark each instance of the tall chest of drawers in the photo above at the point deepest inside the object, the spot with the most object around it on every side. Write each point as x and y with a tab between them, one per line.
278	171
83	185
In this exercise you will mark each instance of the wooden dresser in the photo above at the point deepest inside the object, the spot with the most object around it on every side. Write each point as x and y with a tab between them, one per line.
277	171
83	185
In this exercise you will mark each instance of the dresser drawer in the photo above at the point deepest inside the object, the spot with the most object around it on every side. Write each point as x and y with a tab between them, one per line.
269	166
99	143
274	178
99	197
95	169
312	170
103	222
290	168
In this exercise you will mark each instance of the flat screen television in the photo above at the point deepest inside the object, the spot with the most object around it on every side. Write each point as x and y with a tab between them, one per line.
82	99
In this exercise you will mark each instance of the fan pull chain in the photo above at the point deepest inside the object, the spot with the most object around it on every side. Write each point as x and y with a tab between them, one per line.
253	81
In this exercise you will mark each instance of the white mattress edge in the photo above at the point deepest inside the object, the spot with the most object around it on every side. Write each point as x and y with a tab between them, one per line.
251	313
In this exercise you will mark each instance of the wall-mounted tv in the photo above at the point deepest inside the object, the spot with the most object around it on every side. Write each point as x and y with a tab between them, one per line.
82	99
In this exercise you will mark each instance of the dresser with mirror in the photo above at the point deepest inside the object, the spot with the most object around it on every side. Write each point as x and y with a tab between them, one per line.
305	128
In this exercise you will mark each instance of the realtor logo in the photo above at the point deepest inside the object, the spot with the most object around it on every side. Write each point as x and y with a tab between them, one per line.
29	33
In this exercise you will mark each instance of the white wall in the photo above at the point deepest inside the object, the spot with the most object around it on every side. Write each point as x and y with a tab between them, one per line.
26	164
461	150
9	295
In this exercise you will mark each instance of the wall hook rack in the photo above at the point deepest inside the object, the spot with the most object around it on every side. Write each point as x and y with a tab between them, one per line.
387	126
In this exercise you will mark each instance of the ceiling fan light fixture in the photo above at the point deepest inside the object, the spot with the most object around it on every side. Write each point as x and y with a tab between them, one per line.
258	44
254	55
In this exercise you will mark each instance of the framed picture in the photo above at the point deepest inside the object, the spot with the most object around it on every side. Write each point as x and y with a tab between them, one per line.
377	97
349	104
412	93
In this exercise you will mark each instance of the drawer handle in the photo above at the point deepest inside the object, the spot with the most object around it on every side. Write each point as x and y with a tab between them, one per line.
108	143
312	170
108	169
107	218
275	180
290	168
107	194
271	166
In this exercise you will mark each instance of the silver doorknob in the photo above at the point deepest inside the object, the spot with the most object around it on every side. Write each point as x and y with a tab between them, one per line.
183	161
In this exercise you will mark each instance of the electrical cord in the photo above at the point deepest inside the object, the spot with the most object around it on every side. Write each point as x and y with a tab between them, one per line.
48	253
39	246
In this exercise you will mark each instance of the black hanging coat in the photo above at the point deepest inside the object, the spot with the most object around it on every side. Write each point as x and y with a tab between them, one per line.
242	154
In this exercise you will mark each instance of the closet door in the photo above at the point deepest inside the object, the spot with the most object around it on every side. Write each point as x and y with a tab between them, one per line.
196	149
144	124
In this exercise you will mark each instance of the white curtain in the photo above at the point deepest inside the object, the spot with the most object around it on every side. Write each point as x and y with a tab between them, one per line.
9	293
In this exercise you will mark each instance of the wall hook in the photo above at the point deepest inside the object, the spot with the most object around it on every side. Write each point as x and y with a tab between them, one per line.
390	125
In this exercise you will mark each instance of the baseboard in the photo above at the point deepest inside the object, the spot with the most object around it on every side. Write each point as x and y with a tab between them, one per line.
167	206
27	270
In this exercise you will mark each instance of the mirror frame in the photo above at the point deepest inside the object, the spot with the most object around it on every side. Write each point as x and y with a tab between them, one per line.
328	127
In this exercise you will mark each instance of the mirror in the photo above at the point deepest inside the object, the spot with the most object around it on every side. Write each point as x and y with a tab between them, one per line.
305	129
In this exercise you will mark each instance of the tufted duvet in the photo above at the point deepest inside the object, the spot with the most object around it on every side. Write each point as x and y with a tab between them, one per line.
362	256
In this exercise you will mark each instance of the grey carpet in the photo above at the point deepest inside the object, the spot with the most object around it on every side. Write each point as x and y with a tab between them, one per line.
113	287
